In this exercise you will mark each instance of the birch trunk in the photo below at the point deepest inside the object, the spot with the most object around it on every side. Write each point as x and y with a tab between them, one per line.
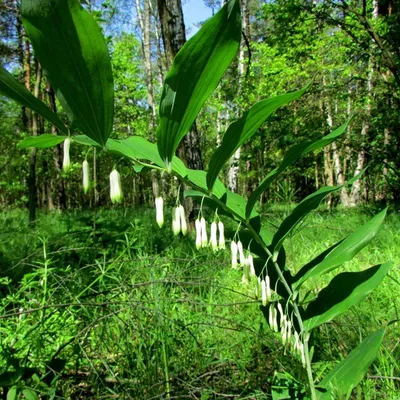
234	163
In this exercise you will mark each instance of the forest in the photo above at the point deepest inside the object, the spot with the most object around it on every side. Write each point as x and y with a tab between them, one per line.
199	212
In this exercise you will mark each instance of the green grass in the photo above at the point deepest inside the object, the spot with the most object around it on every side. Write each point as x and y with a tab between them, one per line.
129	311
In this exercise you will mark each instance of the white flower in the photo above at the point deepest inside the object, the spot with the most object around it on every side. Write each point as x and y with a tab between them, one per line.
302	354
213	236
273	316
115	187
204	240
281	313
296	345
159	211
66	160
198	233
234	251
182	220
176	221
246	272
221	240
242	258
264	294
85	176
250	260
268	287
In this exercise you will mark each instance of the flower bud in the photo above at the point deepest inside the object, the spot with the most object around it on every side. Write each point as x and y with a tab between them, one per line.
246	272
250	260
66	159
198	233
159	211
176	221
221	239
182	220
242	258
204	240
264	294
85	176
268	288
213	236
115	187
234	251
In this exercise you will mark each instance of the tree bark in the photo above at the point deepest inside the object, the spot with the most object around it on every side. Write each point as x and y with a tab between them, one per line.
234	164
173	34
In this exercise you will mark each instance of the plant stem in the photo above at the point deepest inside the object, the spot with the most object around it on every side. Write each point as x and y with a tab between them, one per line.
259	240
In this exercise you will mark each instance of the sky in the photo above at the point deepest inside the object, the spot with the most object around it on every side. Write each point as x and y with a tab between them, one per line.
194	11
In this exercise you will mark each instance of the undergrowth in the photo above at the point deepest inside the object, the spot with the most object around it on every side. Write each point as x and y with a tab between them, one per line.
109	306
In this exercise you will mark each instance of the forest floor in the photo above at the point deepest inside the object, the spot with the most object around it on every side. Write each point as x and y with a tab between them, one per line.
110	306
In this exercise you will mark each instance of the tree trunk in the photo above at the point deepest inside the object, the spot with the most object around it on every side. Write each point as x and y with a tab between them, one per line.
173	34
144	17
32	188
234	164
60	196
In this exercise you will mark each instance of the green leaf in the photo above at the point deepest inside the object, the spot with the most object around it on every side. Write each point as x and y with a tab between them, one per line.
243	129
12	393
348	373
344	291
16	91
41	142
73	53
29	394
83	139
138	148
295	152
344	251
309	204
195	73
198	178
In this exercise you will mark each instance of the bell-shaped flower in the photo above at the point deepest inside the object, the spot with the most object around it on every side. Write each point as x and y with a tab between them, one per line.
246	272
264	299
268	288
197	224
85	176
213	236
66	159
281	313
221	238
250	261
204	240
115	187
273	317
242	258
176	221
234	251
182	220
159	211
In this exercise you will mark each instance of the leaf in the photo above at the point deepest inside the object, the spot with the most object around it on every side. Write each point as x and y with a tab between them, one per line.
41	142
12	393
83	139
198	178
344	291
16	91
348	373
138	148
73	53
345	251
309	204
294	153
29	394
243	129
195	73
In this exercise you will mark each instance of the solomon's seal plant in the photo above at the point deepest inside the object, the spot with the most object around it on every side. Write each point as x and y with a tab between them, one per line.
74	55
